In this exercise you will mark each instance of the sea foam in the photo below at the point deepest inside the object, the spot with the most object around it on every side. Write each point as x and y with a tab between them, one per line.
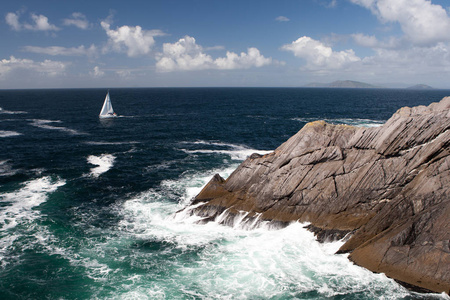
345	121
6	133
234	263
18	205
235	152
103	162
11	112
18	208
44	124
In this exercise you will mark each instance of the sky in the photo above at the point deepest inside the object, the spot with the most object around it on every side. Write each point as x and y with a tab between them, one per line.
212	43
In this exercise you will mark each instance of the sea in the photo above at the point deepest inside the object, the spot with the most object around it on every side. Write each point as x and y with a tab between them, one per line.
90	208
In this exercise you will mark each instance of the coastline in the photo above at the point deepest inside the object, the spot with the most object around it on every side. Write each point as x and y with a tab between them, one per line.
387	186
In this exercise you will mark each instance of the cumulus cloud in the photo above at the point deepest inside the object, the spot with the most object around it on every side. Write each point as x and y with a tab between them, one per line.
187	55
282	19
63	51
319	56
78	20
40	23
183	55
12	20
133	40
47	67
422	22
252	58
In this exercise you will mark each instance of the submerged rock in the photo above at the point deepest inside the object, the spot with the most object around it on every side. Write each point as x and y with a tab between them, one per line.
388	186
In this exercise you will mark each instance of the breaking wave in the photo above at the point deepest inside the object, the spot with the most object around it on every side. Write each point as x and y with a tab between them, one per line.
18	209
218	262
235	152
44	124
11	112
6	133
103	162
345	121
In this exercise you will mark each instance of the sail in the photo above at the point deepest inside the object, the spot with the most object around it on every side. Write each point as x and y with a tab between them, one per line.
107	109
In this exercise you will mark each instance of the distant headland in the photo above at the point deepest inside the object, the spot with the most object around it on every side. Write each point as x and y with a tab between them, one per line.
350	84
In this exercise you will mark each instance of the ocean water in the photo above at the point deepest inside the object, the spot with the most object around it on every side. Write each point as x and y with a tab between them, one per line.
88	206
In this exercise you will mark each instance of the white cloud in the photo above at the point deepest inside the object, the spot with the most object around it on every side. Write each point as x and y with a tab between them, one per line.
78	20
282	19
63	51
97	72
422	22
371	41
47	67
183	55
40	23
415	60
124	73
252	58
133	40
12	20
319	56
214	48
333	3
187	55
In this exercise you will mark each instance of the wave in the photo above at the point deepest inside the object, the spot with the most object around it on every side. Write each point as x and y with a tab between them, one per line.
235	152
44	125
7	133
18	213
11	112
346	121
6	168
102	143
103	162
232	262
18	205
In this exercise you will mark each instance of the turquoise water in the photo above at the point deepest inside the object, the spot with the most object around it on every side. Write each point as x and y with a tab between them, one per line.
88	206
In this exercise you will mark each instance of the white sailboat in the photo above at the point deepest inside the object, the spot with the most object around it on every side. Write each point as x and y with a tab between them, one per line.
107	109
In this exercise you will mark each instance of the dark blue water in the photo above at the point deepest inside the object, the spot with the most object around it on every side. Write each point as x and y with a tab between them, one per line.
87	206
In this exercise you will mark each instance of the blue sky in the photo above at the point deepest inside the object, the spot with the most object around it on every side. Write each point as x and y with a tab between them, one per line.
172	43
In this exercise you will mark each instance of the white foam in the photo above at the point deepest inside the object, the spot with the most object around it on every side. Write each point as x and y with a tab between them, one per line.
11	112
103	162
103	143
251	264
20	203
18	209
347	121
236	152
44	125
234	263
189	185
6	133
6	168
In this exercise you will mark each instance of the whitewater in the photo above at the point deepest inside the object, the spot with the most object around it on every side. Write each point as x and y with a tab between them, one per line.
93	209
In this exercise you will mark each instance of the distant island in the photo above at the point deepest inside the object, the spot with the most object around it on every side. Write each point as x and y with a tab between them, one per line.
420	87
360	85
343	84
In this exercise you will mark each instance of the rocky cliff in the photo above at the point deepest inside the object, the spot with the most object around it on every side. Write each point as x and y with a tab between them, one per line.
389	187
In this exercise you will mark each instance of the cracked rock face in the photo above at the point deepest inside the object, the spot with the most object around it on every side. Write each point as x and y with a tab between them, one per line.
389	186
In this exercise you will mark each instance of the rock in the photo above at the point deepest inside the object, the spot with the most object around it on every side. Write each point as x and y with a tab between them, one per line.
388	186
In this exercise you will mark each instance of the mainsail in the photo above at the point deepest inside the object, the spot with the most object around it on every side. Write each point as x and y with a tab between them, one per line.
107	109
